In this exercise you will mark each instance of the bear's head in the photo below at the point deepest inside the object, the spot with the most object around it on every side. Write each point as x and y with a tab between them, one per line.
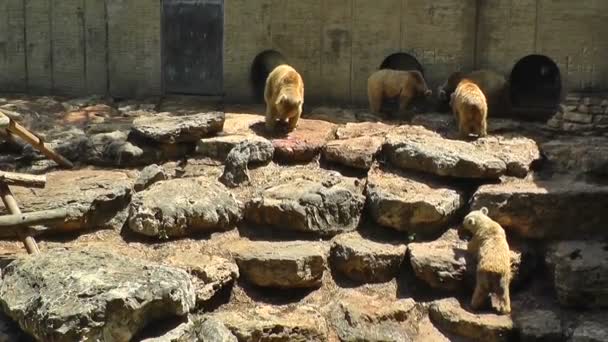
474	220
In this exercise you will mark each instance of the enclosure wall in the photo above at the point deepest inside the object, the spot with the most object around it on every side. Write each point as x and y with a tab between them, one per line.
79	47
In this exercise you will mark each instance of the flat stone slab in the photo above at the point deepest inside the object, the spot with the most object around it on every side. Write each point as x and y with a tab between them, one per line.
102	198
577	155
63	295
450	316
539	325
319	208
518	153
357	152
305	142
173	129
433	154
268	323
177	207
407	203
445	263
363	129
363	260
219	147
546	209
293	264
580	273
358	317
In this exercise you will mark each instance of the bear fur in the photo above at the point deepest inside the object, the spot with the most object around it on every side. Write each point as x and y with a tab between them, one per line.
387	83
284	96
489	245
494	86
470	109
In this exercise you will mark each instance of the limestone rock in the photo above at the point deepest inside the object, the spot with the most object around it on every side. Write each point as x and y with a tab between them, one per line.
518	153
101	197
546	209
197	329
179	207
308	206
363	129
266	323
92	295
219	147
358	317
294	264
305	142
445	263
364	260
578	155
590	331
210	273
164	128
412	204
148	176
539	325
580	271
449	316
245	153
357	153
436	155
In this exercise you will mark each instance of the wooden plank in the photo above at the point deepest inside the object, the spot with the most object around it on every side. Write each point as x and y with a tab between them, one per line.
22	179
11	205
44	217
96	42
68	47
38	46
12	46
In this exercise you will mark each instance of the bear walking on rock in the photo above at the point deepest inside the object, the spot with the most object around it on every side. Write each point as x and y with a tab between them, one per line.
388	83
470	109
284	96
489	245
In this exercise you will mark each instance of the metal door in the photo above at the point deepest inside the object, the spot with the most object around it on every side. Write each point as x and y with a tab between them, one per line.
193	36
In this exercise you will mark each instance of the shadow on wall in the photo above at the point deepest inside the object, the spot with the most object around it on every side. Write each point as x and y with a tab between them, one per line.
536	87
262	65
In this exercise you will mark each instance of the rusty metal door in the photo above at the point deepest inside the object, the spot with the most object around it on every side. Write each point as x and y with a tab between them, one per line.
193	36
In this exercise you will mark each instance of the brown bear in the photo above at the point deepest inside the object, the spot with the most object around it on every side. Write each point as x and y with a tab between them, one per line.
388	83
284	96
470	109
489	245
494	86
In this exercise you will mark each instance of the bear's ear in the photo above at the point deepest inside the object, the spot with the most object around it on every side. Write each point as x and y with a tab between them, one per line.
484	210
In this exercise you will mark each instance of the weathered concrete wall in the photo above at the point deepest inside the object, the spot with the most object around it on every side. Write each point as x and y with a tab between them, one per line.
571	33
114	46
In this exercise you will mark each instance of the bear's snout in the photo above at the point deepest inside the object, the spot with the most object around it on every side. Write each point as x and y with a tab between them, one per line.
442	94
428	93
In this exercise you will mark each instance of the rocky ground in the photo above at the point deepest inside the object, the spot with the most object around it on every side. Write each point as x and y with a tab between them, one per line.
196	225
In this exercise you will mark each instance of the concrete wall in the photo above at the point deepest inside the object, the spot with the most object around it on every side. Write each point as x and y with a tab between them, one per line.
81	47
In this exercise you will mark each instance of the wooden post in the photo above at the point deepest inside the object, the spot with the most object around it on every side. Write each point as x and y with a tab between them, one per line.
42	217
35	141
11	205
22	179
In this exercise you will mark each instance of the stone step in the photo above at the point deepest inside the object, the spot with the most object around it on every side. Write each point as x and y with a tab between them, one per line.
553	209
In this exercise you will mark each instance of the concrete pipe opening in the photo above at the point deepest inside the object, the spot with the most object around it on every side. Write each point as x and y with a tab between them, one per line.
401	61
536	87
262	65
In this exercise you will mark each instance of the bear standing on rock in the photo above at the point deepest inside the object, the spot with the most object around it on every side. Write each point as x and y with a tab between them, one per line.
470	109
489	245
284	96
387	83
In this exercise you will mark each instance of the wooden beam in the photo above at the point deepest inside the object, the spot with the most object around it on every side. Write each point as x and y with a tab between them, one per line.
11	205
22	179
43	217
35	141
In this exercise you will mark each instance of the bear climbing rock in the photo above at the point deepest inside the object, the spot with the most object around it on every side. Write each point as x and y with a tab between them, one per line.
470	109
387	83
494	86
489	245
284	96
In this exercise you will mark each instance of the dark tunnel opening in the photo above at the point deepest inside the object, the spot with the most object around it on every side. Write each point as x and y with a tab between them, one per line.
262	65
536	87
401	61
